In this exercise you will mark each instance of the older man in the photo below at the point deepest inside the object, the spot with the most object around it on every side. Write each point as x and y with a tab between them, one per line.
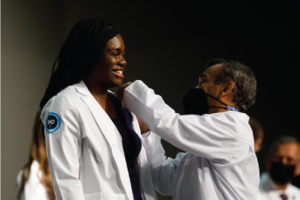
282	165
220	162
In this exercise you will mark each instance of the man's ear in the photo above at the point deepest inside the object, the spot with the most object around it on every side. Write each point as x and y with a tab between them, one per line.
227	88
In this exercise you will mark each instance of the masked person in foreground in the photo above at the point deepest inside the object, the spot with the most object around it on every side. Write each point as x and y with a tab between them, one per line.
220	162
282	165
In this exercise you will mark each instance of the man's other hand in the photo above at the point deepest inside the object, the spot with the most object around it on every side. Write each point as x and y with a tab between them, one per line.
143	127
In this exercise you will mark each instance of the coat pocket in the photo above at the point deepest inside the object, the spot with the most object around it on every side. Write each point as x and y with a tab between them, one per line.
105	196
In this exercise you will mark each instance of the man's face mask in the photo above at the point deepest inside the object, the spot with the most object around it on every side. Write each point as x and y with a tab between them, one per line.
282	174
195	102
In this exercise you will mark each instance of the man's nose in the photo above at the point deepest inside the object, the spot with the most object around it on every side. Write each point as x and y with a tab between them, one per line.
284	161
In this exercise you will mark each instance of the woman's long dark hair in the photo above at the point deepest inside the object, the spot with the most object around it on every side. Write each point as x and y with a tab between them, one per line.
38	153
83	47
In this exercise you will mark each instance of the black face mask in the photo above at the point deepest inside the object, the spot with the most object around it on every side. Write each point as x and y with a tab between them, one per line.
195	102
282	174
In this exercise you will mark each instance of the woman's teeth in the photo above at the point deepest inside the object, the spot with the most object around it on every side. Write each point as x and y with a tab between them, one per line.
118	73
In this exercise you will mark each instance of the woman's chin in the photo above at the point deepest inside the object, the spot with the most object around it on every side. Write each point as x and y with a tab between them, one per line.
119	83
116	84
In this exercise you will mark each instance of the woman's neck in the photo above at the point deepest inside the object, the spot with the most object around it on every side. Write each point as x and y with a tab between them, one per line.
98	91
101	95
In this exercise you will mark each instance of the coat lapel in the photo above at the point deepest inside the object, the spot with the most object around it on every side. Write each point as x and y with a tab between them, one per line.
146	184
144	172
102	119
110	132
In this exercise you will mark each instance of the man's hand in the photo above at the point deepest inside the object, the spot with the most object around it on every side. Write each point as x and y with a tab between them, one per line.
120	91
143	127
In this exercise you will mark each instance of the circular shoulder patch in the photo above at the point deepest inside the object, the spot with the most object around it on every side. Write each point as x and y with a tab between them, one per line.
52	122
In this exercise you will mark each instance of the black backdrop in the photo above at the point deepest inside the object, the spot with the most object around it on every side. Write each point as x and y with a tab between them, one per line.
168	44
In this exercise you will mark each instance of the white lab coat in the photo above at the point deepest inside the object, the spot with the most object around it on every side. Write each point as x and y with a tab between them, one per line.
269	191
220	162
33	189
85	153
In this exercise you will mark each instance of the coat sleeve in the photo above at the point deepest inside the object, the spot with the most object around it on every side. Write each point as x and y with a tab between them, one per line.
64	148
209	136
163	170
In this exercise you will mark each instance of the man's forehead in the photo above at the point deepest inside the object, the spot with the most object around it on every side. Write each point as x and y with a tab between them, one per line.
288	149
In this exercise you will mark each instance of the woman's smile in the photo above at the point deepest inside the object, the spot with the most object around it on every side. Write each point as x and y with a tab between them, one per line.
118	73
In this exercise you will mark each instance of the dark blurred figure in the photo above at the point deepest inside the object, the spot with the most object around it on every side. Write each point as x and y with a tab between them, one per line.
296	181
34	179
258	134
282	164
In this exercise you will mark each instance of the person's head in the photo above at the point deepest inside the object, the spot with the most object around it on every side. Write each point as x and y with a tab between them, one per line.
230	81
84	53
38	153
282	161
108	71
258	133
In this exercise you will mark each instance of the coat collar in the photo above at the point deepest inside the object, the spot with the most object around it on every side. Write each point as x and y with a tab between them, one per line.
270	185
102	119
81	88
107	127
109	131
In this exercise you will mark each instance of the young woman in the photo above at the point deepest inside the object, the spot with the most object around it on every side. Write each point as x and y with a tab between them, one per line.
93	143
34	179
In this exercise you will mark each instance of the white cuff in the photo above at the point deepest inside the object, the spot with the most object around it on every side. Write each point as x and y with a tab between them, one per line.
145	135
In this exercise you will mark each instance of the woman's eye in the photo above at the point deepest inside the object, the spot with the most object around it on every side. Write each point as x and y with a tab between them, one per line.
115	54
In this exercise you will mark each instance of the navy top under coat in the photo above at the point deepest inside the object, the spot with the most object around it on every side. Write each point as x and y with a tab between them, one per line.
131	144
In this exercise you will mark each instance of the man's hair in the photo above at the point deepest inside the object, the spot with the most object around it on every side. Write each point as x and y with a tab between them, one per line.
286	139
244	90
83	47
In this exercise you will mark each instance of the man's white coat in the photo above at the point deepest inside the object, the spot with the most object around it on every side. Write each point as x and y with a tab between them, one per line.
220	163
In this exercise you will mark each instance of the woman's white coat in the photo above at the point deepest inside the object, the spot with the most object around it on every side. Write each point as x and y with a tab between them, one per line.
85	153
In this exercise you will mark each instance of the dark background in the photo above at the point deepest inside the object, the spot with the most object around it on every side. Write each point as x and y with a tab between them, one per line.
167	46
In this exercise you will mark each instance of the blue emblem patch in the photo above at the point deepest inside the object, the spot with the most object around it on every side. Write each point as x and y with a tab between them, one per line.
52	122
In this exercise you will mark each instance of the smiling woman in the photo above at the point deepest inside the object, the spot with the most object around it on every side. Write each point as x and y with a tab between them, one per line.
108	71
95	150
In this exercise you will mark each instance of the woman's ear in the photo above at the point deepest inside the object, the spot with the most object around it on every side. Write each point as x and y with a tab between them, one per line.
227	88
